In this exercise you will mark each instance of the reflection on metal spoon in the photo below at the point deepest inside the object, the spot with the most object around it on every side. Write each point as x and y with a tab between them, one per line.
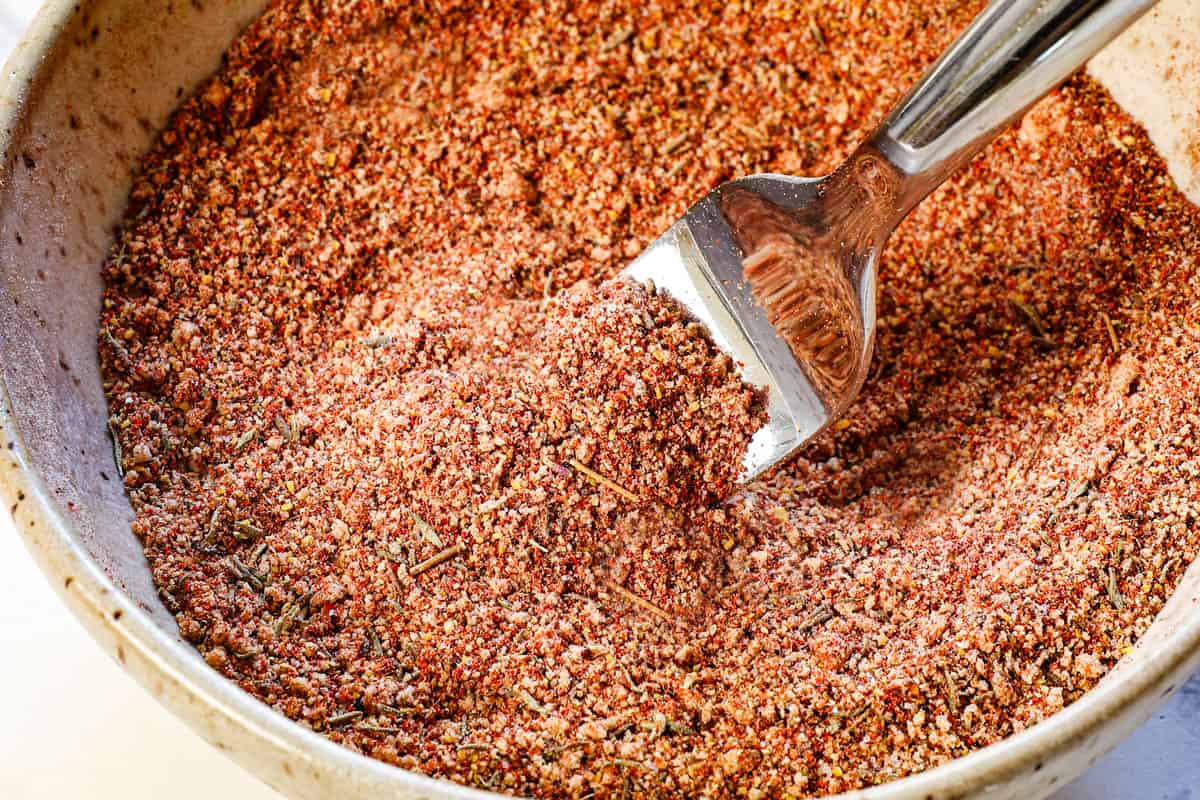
799	271
803	290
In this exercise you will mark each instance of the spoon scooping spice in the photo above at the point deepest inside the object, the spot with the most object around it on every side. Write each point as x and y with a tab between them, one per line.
782	270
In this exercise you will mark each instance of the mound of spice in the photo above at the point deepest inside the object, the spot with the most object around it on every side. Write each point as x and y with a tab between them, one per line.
411	469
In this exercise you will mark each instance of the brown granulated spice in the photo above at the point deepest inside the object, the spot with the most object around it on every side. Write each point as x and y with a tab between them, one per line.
409	468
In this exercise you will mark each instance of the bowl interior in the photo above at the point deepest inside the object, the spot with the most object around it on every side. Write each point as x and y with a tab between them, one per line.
113	76
108	74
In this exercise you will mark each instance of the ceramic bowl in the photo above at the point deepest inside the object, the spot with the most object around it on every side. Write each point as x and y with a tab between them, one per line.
80	100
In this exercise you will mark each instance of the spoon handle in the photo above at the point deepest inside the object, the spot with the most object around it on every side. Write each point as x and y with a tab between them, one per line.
1012	54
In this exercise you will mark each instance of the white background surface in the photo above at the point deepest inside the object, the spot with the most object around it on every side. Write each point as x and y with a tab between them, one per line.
73	725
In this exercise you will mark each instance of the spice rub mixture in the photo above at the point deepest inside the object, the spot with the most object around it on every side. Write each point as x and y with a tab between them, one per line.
410	466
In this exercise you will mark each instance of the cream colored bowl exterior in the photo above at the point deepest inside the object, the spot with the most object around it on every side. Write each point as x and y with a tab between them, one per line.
79	101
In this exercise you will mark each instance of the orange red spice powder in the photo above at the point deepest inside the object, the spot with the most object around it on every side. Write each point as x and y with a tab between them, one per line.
408	469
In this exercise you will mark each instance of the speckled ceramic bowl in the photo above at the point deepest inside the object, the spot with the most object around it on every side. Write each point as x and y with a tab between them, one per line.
79	101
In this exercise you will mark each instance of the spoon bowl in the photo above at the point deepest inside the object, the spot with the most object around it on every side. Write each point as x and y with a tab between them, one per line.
786	293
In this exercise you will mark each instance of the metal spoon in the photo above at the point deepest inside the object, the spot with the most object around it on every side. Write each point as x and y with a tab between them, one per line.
782	270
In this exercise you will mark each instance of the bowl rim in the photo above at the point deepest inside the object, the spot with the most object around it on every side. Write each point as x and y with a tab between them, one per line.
182	682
